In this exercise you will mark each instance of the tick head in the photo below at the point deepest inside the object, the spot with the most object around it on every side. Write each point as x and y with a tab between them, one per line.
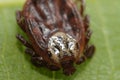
61	45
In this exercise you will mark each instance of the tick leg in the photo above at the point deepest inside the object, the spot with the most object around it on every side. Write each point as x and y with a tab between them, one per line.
88	35
86	21
82	7
87	30
20	20
23	41
38	61
81	60
29	51
89	51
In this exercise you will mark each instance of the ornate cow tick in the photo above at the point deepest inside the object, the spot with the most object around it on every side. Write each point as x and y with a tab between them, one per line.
58	33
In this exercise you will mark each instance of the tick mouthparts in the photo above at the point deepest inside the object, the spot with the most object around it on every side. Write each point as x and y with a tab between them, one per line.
69	70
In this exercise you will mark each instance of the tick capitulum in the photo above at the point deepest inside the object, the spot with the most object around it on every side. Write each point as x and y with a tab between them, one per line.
61	44
58	35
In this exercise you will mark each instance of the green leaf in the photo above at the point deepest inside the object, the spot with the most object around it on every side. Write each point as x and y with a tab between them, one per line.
105	65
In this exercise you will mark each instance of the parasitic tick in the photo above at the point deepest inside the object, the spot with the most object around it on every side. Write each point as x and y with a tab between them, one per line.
58	34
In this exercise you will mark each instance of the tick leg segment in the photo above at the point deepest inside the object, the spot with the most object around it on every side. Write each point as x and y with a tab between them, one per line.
86	21
23	41
88	35
89	51
29	51
81	60
87	30
82	7
20	20
38	61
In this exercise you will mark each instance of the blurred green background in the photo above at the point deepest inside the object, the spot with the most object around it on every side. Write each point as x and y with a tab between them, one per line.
105	65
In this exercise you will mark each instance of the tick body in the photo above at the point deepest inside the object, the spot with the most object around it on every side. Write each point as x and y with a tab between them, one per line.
58	34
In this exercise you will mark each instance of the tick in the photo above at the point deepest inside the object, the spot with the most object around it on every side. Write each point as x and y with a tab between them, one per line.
58	33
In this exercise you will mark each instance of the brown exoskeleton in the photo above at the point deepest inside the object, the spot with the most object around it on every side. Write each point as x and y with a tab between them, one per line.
58	33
